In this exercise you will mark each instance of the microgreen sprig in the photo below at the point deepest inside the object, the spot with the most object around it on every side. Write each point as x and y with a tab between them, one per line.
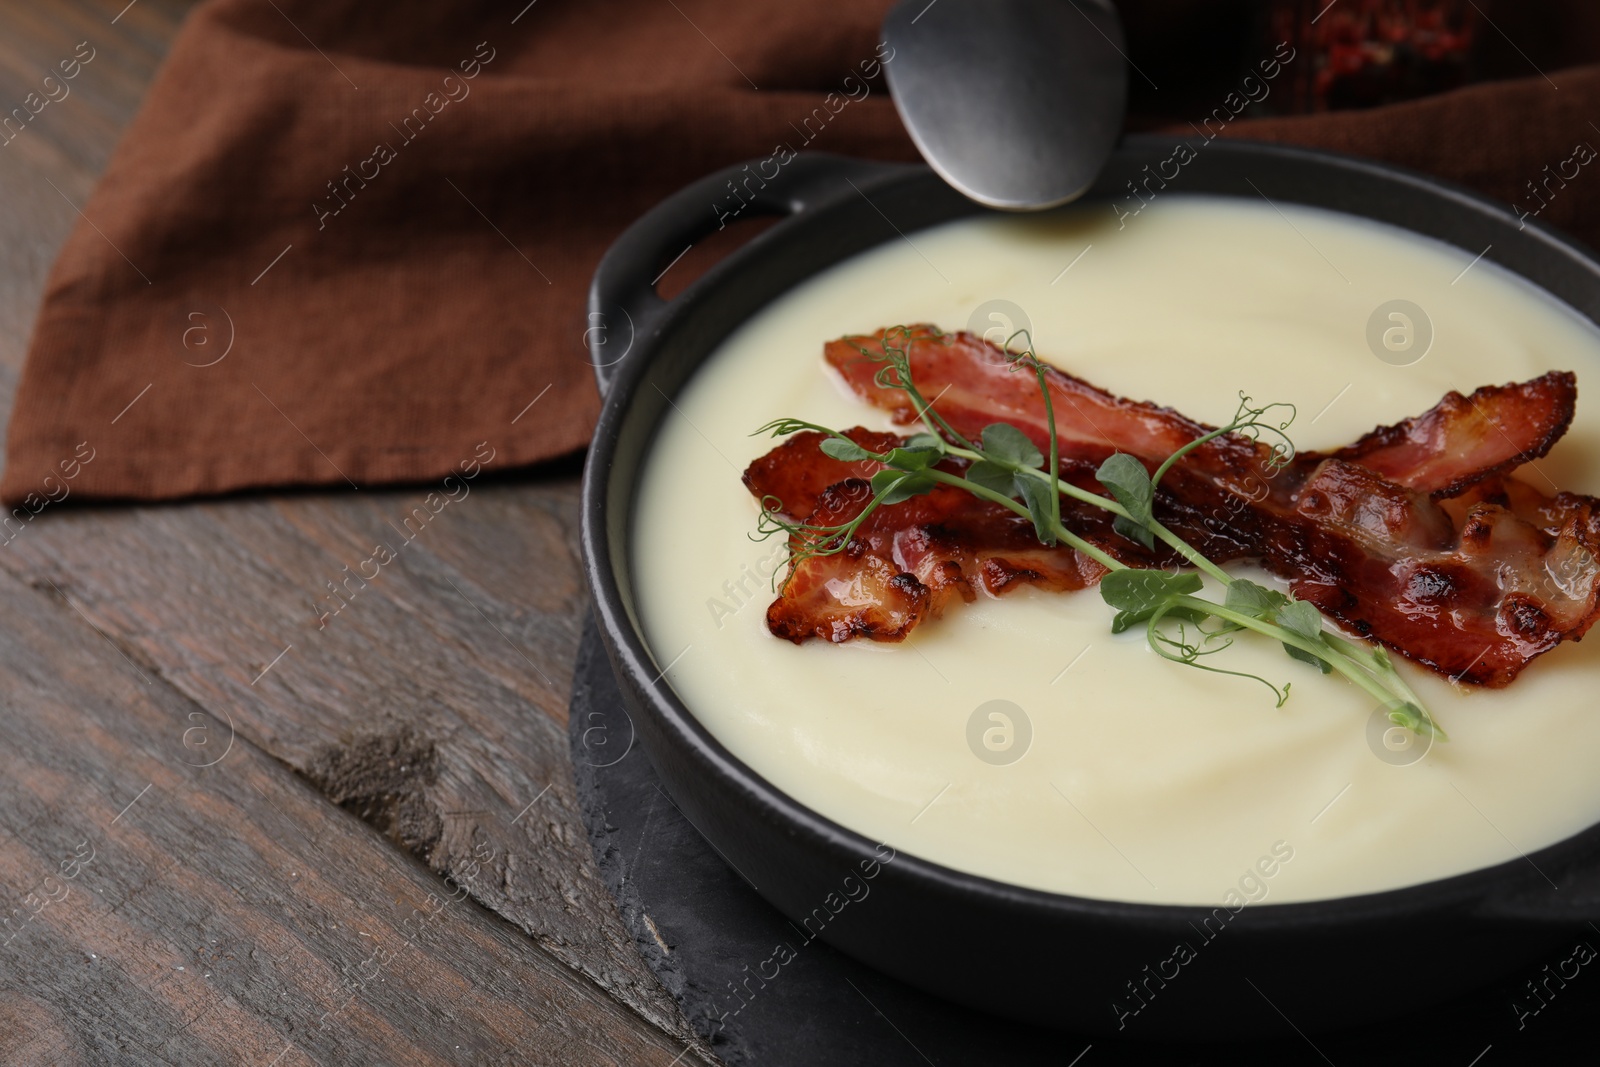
1006	468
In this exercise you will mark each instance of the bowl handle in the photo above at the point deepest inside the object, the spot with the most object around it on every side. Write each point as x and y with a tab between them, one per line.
623	303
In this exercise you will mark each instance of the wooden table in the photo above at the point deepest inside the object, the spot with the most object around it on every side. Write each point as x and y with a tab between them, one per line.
230	836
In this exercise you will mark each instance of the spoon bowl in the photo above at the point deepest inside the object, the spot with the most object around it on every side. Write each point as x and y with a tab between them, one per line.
1016	103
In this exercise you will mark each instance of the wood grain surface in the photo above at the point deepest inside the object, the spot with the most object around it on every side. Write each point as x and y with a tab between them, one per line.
158	910
386	734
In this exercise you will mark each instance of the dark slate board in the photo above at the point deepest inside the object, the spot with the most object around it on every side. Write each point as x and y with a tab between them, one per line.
703	931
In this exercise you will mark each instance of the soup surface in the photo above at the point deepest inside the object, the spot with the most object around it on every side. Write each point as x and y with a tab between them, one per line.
1105	771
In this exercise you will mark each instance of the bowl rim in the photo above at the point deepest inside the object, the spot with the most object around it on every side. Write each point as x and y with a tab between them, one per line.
629	653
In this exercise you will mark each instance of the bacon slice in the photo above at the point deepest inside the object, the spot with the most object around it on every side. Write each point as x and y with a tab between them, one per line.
1459	442
908	561
1414	535
1465	439
1475	587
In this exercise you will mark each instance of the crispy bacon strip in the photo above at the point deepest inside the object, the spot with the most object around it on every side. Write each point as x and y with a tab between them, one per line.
908	560
1414	535
1463	440
1459	442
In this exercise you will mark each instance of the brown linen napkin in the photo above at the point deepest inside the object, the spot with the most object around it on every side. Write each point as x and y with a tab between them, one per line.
392	211
345	242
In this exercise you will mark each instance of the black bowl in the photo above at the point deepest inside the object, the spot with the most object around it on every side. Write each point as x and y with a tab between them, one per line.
1076	962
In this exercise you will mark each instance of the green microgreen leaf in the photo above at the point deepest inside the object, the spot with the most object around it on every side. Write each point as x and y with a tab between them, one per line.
994	477
1130	486
844	450
1133	531
1138	595
912	459
1257	601
1306	657
1040	500
1301	618
1004	443
894	486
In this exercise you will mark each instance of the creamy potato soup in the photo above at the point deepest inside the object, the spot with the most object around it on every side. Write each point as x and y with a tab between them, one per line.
1017	738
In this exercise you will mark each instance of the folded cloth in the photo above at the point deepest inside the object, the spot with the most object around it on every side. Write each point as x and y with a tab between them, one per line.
347	243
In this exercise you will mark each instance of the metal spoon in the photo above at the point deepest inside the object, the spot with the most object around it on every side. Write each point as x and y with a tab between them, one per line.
1016	103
